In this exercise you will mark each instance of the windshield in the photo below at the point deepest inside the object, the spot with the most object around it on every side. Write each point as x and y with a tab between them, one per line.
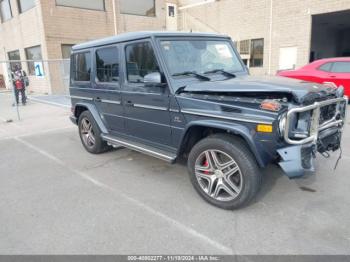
200	56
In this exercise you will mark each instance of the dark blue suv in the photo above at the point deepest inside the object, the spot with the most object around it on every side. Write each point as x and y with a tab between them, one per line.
188	95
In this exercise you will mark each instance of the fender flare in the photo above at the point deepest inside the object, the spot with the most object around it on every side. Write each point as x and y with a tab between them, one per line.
92	109
231	127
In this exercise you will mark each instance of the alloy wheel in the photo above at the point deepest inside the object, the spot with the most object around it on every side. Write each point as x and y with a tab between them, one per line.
87	133
218	175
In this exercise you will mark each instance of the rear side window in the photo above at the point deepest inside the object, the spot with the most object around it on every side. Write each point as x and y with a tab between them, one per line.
107	65
326	67
341	67
81	66
140	61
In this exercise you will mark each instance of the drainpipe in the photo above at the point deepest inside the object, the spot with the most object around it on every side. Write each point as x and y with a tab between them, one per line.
270	42
115	18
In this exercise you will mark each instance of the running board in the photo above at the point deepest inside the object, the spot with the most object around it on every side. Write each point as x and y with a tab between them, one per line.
155	152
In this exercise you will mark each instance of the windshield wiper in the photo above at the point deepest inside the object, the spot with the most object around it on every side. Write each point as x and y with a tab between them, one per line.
193	73
227	73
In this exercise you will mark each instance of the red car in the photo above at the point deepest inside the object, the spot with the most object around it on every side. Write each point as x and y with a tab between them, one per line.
329	70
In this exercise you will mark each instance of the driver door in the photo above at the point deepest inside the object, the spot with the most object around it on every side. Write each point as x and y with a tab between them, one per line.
146	107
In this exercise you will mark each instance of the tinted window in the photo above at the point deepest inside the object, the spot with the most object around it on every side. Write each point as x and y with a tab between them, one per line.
14	55
140	61
137	7
5	10
82	67
257	53
326	67
33	53
86	4
107	65
341	67
25	5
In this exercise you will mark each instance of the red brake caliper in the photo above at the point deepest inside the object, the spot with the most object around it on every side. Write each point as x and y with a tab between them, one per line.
206	164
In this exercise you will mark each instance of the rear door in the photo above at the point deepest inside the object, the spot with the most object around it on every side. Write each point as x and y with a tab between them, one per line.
107	88
146	107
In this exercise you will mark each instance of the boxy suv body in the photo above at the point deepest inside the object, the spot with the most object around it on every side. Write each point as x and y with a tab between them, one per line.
173	95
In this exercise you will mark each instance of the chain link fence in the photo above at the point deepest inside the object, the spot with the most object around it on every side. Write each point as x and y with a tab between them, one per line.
43	80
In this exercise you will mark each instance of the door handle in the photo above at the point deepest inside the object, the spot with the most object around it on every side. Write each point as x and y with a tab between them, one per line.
332	76
129	103
97	99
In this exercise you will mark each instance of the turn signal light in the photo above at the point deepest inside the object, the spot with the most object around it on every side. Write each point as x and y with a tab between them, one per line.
270	105
264	128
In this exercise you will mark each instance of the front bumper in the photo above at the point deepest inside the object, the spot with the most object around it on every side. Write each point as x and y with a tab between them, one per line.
297	157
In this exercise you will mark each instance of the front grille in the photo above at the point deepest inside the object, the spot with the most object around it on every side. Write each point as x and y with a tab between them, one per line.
327	113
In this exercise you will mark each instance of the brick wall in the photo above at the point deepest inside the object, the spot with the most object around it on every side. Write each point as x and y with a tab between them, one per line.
249	19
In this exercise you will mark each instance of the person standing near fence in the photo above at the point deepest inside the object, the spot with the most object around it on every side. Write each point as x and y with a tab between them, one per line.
19	78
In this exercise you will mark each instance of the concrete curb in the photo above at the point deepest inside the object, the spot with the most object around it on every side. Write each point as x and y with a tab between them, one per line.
47	102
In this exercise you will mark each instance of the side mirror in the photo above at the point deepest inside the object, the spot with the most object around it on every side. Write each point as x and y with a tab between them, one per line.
154	79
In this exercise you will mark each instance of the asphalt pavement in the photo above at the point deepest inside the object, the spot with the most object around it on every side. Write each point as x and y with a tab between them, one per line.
58	199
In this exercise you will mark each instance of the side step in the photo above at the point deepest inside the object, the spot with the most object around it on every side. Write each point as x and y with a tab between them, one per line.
155	152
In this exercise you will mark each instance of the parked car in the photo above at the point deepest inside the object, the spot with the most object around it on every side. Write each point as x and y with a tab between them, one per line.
330	70
174	95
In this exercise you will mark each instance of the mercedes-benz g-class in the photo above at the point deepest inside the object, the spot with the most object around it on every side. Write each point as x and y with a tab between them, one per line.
174	95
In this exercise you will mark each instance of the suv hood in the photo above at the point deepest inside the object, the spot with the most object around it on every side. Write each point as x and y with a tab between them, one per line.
301	91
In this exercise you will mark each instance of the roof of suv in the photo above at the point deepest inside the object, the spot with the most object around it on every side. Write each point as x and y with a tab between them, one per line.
139	35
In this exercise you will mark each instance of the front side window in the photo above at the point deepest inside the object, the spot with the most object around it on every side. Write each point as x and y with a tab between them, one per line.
140	61
82	66
341	67
14	55
107	65
257	53
85	4
137	7
199	56
5	10
24	5
33	53
326	67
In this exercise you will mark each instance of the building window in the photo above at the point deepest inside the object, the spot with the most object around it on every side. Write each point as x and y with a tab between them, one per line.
85	4
5	10
14	55
257	53
137	7
107	65
33	53
66	50
82	66
24	5
244	47
140	61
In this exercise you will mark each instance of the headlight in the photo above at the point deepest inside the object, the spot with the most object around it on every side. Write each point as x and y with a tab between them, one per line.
282	124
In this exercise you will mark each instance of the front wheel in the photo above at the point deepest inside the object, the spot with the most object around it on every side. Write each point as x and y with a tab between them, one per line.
223	171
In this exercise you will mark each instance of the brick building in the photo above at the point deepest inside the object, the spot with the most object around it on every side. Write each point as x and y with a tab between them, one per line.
46	29
274	34
269	34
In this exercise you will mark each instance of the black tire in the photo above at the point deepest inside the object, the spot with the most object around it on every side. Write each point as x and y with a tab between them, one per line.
99	146
249	176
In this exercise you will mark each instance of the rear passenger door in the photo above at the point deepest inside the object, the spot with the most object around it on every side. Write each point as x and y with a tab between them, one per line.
107	87
146	107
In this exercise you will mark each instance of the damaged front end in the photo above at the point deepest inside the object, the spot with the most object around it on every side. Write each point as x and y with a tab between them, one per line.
310	129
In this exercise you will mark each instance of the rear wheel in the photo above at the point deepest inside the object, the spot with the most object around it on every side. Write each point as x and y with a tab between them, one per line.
223	171
90	134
